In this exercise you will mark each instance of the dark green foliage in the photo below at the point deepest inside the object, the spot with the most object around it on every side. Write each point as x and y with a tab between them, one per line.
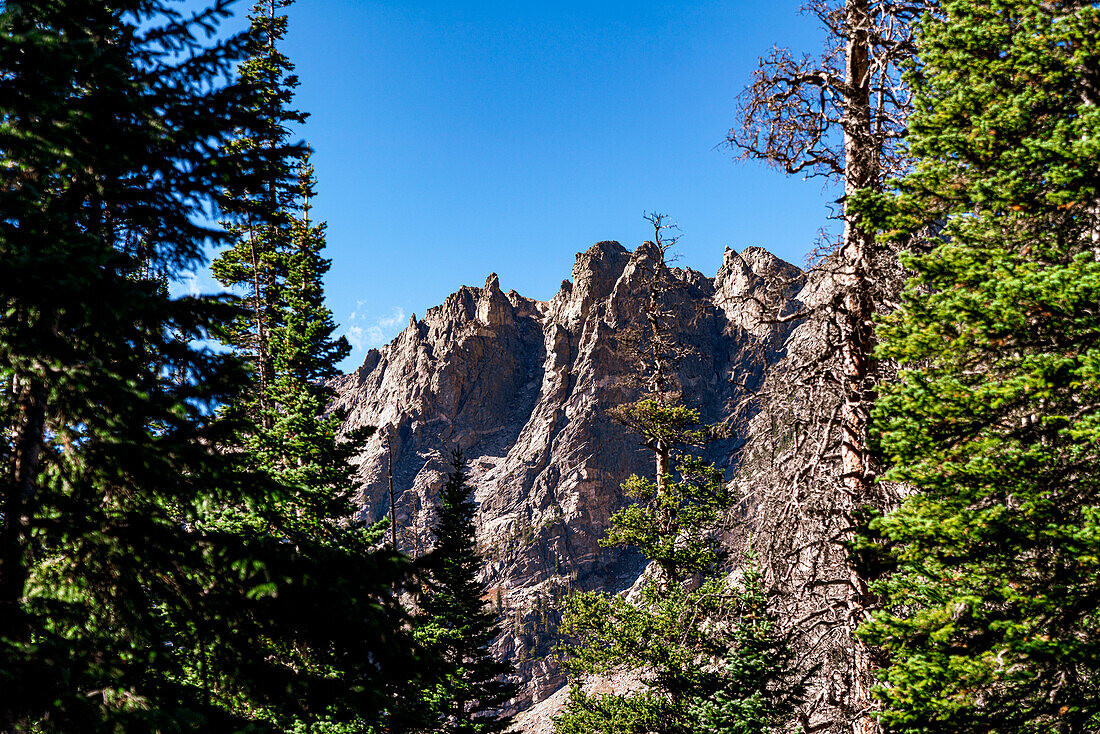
456	624
667	636
113	119
759	685
285	330
641	713
670	525
710	659
260	212
994	621
621	633
151	579
334	627
660	637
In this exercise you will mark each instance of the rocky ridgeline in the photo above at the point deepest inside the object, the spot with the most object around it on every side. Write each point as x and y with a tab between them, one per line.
522	387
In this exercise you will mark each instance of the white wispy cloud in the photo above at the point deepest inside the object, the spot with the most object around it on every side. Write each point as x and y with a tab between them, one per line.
367	332
194	283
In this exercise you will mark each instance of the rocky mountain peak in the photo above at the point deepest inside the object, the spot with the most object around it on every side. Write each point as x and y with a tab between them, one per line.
493	307
595	273
522	387
752	282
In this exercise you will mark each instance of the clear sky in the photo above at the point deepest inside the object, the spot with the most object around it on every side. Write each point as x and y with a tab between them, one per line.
454	139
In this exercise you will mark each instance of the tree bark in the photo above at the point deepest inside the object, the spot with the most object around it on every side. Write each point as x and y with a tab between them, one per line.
860	171
19	492
263	364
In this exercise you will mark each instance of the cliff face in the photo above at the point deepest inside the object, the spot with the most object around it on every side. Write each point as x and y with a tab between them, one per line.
522	388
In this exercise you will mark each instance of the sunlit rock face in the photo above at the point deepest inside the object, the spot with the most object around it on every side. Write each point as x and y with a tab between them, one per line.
522	387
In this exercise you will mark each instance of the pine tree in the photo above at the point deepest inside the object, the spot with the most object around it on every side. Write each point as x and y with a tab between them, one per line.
260	213
667	633
114	115
670	521
457	625
759	685
992	621
338	624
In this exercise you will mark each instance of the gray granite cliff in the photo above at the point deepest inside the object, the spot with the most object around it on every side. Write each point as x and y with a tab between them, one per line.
522	387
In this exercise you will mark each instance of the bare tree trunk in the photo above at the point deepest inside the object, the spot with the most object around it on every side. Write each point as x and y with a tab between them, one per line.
664	467
840	116
856	313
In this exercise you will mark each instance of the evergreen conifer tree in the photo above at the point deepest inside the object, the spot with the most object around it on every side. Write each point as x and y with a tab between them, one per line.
457	625
127	601
759	686
337	624
114	115
260	212
992	621
667	633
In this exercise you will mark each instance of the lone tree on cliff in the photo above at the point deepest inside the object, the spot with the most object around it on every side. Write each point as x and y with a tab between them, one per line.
672	628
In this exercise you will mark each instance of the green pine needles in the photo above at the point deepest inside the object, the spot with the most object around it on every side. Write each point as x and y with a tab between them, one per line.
336	631
177	550
707	655
992	620
457	625
760	687
118	608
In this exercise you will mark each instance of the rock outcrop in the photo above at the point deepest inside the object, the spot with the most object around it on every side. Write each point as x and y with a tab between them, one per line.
522	387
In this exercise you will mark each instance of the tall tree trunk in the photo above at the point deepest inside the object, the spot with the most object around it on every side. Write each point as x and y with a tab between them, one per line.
789	117
658	379
663	455
860	171
259	318
30	421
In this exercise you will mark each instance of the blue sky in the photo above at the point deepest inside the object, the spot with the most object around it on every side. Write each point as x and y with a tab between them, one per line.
455	139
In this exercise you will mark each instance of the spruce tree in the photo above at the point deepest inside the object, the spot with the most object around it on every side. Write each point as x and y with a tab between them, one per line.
667	633
456	624
301	447
759	686
128	602
260	212
335	627
992	621
342	623
114	115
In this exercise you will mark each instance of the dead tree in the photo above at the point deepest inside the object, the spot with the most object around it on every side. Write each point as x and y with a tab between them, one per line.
840	116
